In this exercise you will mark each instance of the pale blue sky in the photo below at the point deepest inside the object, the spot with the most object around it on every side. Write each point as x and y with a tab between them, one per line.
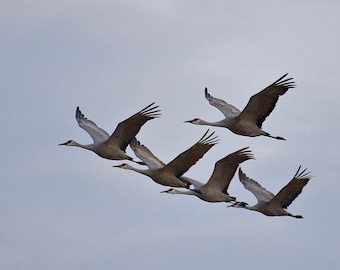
66	208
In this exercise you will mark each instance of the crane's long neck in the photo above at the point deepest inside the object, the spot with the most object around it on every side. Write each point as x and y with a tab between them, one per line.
90	147
214	124
145	172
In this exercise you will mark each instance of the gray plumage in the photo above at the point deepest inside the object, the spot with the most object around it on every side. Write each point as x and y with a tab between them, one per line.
249	121
113	147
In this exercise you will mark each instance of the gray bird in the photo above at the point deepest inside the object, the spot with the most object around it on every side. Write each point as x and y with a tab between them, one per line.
249	121
270	204
113	147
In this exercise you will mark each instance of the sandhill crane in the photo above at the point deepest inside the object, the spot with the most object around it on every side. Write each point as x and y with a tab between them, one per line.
113	147
215	190
153	162
270	204
249	121
170	174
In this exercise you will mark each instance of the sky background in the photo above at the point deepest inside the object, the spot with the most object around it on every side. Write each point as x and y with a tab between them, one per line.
67	208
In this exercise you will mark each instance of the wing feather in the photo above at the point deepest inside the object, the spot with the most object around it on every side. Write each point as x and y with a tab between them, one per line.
263	103
185	160
144	154
262	195
97	134
128	129
288	193
228	110
226	167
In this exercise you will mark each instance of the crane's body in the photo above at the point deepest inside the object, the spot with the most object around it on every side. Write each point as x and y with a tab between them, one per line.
268	210
159	176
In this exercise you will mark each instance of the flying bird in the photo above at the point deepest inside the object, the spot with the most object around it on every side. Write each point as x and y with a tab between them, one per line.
171	173
270	204
114	147
249	121
215	190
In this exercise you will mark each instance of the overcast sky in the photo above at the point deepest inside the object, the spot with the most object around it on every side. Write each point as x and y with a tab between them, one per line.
67	208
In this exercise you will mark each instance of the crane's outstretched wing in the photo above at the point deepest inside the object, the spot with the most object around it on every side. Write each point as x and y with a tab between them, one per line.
226	167
263	103
261	194
97	134
129	128
185	160
227	109
144	154
288	193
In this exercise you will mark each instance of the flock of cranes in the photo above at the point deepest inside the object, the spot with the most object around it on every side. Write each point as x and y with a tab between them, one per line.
246	123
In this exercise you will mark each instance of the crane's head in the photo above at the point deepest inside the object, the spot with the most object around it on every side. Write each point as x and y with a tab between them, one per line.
195	121
69	143
238	205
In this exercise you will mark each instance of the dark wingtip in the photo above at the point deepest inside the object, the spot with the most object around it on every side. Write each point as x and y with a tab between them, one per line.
206	94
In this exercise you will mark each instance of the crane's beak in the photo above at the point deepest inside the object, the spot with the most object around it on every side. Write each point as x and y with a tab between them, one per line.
62	143
188	121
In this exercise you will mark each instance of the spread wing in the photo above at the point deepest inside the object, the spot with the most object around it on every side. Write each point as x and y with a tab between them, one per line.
129	128
227	109
144	154
96	133
262	195
288	193
185	160
226	167
263	103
